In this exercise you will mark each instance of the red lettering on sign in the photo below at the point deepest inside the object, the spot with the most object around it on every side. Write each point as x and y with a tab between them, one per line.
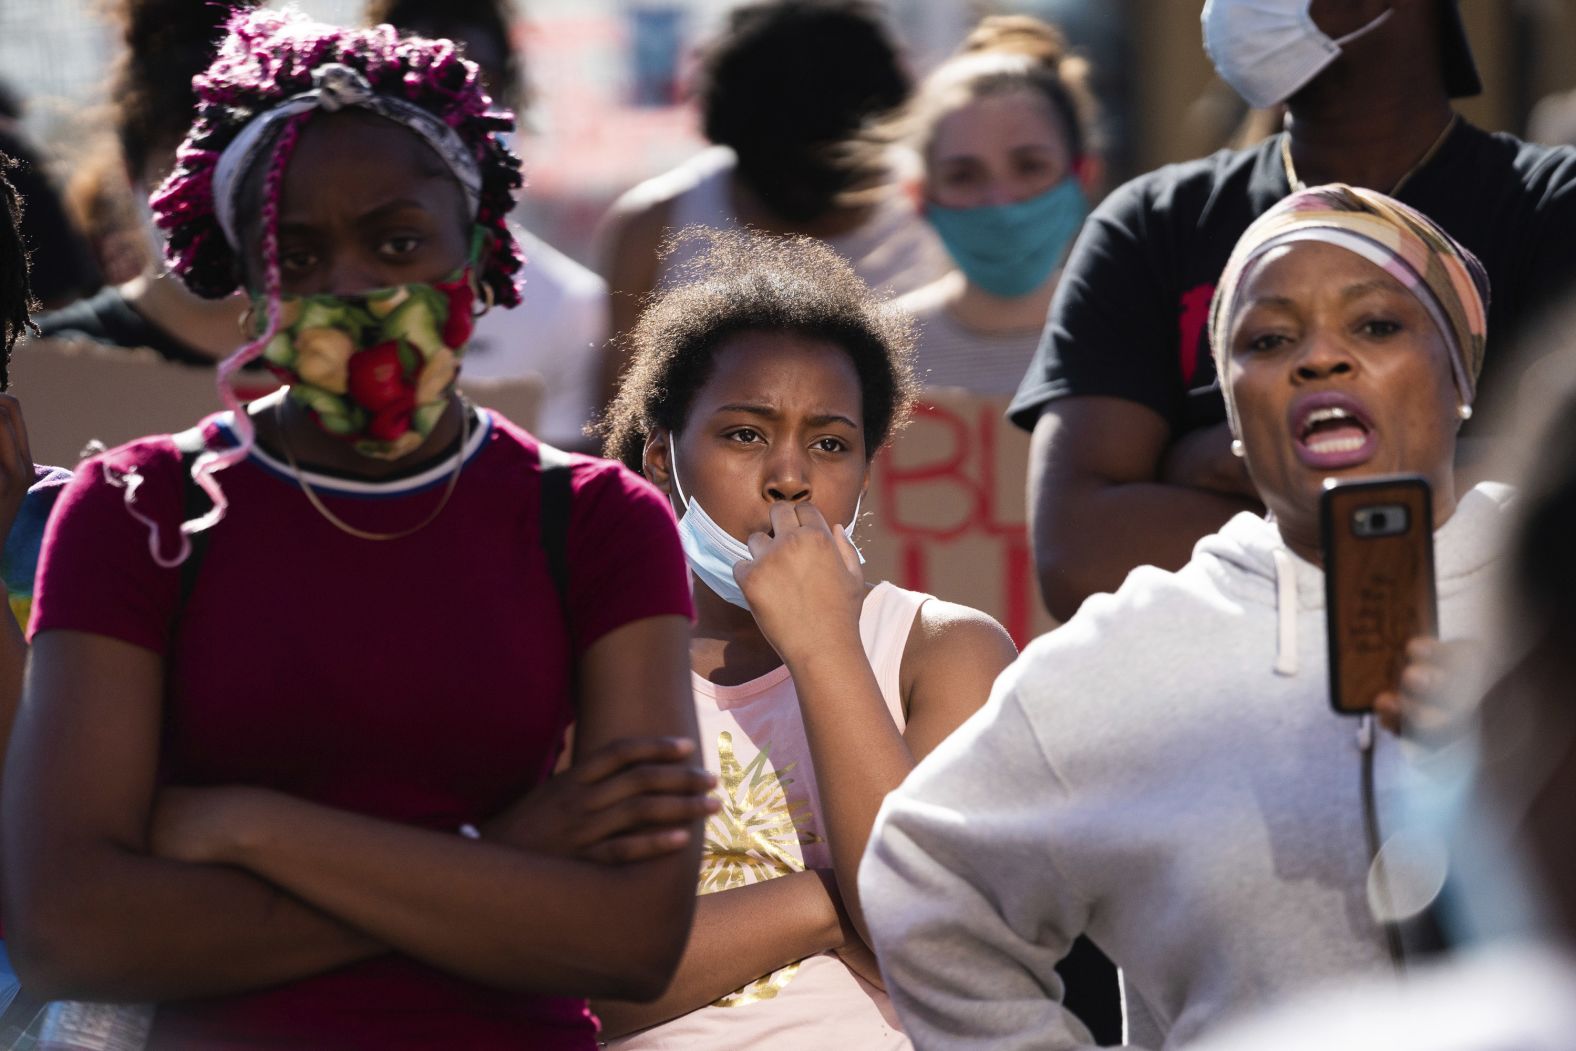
1018	614
940	495
914	576
949	468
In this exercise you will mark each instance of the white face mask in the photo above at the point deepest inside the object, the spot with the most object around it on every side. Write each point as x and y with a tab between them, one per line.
1268	49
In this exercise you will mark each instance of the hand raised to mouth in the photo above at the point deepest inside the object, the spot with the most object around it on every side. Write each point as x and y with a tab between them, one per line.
803	582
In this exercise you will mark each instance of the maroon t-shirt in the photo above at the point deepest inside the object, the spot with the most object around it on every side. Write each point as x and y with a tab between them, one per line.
423	680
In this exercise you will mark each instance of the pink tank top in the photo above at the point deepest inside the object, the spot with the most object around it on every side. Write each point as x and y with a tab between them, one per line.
771	825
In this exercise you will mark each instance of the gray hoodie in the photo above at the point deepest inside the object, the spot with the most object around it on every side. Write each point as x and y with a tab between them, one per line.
1165	774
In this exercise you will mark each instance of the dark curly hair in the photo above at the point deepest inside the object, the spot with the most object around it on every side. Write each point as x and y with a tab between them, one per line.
268	57
787	84
167	43
16	297
440	18
747	281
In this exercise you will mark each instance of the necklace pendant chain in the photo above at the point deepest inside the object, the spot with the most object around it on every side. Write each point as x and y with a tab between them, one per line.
1296	183
363	534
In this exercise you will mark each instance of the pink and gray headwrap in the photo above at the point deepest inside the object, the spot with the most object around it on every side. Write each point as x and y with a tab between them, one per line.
272	70
1446	278
335	86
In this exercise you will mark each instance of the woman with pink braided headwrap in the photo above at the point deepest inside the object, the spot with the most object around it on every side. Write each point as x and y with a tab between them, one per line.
301	675
1164	772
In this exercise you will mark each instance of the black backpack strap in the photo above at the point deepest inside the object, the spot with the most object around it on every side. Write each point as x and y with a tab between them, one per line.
195	503
555	519
554	528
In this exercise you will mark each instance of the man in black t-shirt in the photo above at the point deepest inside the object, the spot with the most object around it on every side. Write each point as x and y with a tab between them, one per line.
1131	459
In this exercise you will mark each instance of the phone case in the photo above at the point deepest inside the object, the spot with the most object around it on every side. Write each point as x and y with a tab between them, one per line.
1378	541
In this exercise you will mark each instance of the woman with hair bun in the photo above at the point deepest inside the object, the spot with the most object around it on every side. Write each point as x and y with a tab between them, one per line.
320	652
1003	130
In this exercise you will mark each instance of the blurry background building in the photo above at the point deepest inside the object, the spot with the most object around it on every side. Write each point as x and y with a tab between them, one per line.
608	81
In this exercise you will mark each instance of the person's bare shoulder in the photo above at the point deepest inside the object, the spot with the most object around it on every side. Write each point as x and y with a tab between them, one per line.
635	224
952	639
630	238
953	624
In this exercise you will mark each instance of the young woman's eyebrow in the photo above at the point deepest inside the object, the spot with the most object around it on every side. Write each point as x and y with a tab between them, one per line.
289	225
829	418
766	412
390	208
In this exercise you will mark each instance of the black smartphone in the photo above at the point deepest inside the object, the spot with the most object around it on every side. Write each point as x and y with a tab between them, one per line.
1377	536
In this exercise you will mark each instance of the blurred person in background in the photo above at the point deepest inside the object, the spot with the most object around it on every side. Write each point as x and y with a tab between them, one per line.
27	494
1131	461
99	200
784	91
1199	809
62	264
1002	130
165	44
558	330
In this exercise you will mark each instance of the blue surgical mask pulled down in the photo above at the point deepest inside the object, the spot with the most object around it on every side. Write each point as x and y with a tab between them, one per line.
1010	249
711	550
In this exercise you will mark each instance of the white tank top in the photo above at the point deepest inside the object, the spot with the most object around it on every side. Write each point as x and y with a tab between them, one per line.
771	824
894	251
950	354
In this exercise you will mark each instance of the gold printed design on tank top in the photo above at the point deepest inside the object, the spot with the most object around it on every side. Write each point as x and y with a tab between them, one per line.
754	836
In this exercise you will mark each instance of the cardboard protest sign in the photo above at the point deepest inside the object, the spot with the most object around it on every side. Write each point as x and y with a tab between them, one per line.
947	514
77	391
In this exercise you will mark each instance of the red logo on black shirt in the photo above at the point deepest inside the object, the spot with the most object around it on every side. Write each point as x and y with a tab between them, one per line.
1193	317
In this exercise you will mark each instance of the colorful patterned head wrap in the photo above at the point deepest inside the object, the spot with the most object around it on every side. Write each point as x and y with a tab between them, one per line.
1446	278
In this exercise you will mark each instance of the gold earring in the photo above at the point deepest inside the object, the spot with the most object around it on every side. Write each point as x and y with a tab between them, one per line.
245	322
484	292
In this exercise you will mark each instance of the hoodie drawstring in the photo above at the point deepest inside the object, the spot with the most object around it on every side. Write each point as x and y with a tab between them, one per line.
1285	613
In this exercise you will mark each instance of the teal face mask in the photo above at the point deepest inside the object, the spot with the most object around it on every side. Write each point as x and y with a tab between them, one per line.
1010	249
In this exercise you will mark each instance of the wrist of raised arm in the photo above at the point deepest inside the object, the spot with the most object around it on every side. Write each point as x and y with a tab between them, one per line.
833	656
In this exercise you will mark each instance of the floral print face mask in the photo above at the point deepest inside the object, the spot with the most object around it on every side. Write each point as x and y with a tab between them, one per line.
375	368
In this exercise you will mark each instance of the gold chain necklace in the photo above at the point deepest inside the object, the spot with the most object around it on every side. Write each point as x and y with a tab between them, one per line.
1296	183
346	527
